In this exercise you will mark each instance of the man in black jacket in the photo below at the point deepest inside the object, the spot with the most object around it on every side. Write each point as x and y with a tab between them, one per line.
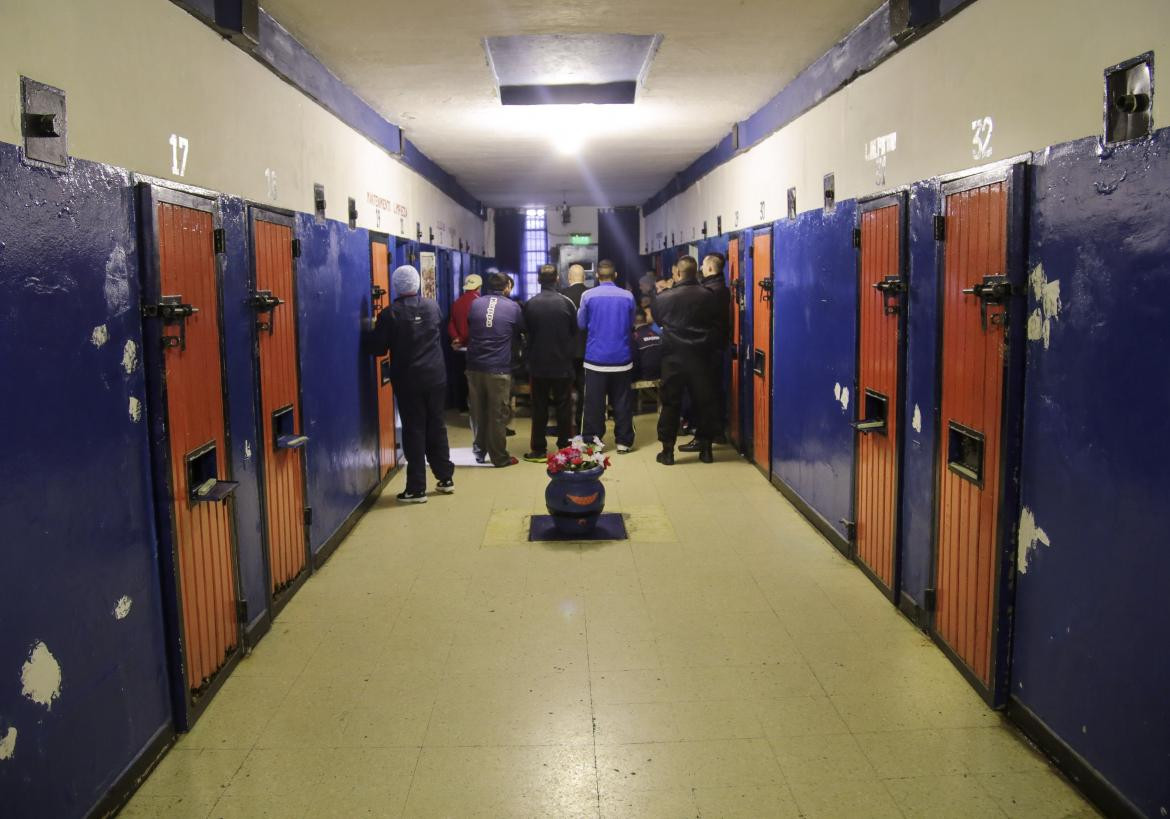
713	280
411	330
576	289
551	321
687	314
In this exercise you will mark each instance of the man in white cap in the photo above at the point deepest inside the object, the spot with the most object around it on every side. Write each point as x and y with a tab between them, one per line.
458	332
411	331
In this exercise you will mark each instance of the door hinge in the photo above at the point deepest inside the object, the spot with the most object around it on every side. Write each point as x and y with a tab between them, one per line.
850	528
308	515
242	610
940	227
296	248
219	240
929	599
857	237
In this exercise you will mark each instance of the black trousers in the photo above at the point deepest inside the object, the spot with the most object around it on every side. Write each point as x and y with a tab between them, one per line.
618	388
579	388
424	435
559	393
691	373
459	379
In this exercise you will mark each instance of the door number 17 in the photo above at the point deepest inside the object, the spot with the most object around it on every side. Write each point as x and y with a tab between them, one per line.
179	146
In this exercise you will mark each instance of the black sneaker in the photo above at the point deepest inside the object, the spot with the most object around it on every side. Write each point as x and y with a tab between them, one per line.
690	446
447	487
412	497
536	457
665	457
509	432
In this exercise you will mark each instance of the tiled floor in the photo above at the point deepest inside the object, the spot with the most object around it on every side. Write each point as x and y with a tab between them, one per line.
726	661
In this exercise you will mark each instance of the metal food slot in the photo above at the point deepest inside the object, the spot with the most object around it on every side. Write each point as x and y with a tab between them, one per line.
262	301
1129	99
283	434
203	483
876	409
172	310
965	453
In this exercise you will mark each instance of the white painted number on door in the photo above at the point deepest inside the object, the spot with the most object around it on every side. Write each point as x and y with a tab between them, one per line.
270	178
179	146
981	138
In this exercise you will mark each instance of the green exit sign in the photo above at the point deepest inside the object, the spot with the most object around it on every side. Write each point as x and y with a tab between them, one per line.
580	239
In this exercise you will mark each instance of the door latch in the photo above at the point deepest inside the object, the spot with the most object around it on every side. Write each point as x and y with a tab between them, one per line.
262	301
892	289
767	287
992	290
171	310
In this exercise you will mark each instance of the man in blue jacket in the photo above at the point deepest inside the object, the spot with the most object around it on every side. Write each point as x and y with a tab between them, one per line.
411	331
494	324
607	316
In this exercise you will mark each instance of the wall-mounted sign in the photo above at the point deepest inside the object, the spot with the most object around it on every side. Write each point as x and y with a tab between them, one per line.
426	271
580	239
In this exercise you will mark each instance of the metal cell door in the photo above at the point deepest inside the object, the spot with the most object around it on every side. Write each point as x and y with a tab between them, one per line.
736	285
762	350
975	496
182	315
881	321
282	438
380	298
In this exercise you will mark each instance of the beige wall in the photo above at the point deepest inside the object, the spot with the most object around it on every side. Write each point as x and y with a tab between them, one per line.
137	71
1033	66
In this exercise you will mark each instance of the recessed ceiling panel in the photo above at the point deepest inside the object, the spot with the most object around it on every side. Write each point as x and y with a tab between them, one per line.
570	59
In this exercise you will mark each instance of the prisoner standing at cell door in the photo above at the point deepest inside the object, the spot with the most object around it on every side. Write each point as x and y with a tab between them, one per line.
495	323
551	322
575	291
607	315
688	315
457	331
712	280
411	331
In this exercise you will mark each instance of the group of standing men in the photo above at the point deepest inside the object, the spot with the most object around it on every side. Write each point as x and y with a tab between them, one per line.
576	340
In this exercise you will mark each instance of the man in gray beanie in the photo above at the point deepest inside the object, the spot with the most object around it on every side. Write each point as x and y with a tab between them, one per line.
411	330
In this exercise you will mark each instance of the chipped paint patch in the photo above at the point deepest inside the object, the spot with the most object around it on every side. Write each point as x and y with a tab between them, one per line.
916	420
1030	535
122	609
117	284
1047	296
100	335
130	357
40	677
8	744
837	391
844	398
247	450
135	409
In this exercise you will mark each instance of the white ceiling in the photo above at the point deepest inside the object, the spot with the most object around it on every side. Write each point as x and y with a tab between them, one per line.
423	66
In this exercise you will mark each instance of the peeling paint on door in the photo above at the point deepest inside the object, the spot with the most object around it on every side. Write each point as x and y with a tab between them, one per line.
100	335
916	421
1047	296
135	409
130	357
1030	535
40	677
122	609
8	744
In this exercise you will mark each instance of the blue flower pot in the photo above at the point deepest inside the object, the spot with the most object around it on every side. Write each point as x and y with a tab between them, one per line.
575	500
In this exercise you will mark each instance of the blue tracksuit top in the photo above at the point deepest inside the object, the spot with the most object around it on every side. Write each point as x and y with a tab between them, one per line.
607	315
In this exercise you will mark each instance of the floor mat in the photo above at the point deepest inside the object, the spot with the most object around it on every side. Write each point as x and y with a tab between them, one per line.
610	526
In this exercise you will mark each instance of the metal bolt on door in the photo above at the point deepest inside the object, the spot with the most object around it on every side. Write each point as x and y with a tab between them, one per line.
762	350
282	437
380	292
880	316
182	312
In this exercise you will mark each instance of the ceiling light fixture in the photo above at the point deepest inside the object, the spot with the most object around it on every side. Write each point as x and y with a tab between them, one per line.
568	143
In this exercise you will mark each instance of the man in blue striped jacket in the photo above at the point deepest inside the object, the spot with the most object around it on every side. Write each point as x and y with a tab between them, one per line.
607	316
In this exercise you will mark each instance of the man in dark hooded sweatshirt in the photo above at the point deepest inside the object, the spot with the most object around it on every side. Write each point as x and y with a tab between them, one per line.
411	331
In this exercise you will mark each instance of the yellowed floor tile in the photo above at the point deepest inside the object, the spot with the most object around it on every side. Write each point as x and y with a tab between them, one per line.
663	766
926	797
1035	795
748	802
845	798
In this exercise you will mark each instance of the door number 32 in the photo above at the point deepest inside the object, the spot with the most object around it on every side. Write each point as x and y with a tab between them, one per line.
981	138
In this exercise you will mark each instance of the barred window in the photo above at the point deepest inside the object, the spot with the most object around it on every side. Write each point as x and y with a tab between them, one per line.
535	250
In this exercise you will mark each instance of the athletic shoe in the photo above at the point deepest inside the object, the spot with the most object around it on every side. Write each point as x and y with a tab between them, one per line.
536	457
512	461
665	457
622	449
690	446
447	487
412	497
509	432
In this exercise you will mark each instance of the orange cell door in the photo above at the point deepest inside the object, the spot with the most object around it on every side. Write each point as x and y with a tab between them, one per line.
282	438
735	285
380	300
881	287
969	557
762	356
183	319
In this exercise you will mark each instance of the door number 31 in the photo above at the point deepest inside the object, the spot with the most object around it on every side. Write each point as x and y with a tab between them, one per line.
981	138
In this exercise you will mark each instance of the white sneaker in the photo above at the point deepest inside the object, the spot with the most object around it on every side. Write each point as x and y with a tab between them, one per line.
622	449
